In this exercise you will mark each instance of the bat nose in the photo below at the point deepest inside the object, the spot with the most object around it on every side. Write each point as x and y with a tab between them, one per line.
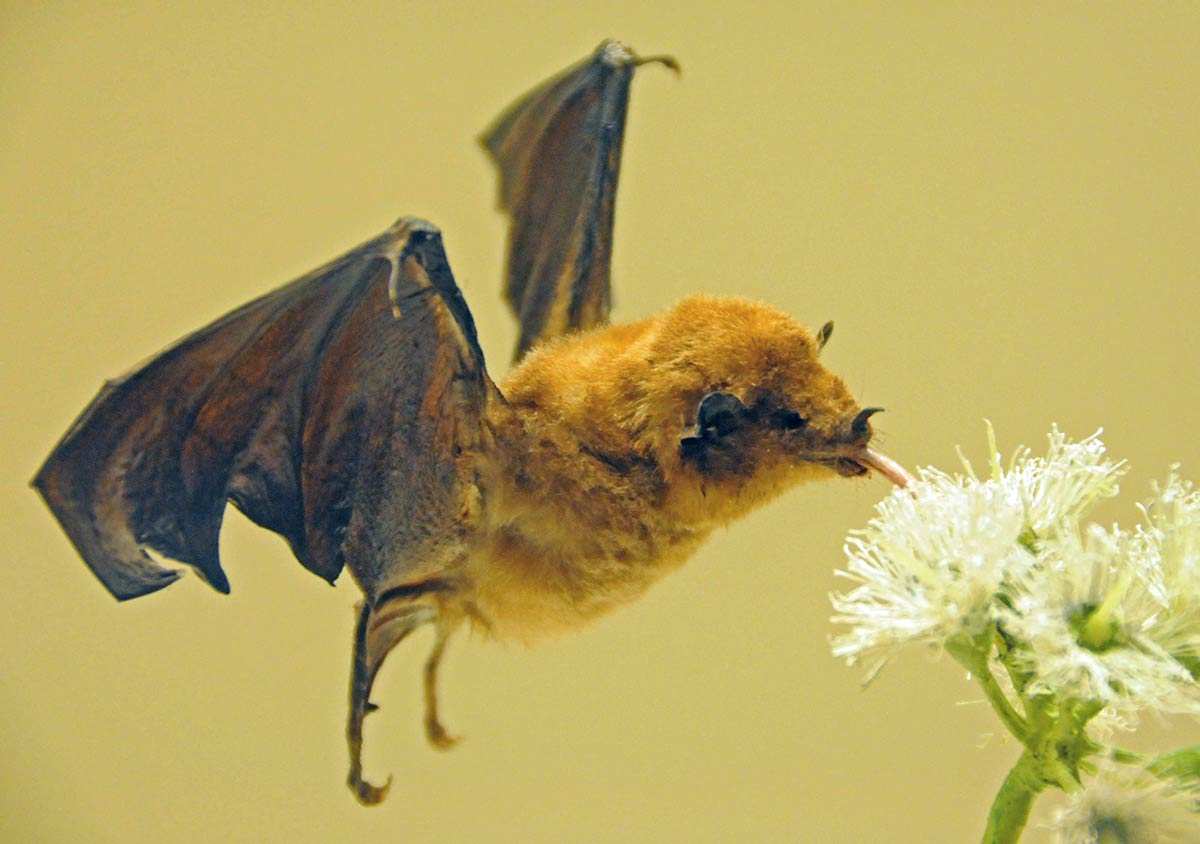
860	427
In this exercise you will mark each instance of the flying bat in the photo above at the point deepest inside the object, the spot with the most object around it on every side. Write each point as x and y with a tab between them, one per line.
351	412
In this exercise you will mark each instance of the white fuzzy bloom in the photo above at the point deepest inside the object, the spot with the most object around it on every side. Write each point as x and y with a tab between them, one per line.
928	565
934	558
1168	543
1092	625
1128	807
1114	617
1065	484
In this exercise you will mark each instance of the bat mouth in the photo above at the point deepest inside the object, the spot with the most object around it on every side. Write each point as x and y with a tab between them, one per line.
864	461
848	468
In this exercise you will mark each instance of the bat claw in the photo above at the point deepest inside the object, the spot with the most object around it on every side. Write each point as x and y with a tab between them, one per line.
367	794
438	737
669	62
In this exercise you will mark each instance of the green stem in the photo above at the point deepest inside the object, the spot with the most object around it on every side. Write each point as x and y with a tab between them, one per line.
975	661
999	701
1010	809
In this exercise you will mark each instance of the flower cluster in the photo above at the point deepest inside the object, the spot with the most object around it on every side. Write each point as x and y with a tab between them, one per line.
1065	625
1131	806
1089	613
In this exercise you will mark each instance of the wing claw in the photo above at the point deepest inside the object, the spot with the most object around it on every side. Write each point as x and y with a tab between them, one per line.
669	62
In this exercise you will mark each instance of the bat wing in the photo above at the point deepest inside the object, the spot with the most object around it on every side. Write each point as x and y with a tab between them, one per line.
305	407
558	151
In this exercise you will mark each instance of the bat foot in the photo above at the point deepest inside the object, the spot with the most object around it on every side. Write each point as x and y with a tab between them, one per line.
438	737
367	794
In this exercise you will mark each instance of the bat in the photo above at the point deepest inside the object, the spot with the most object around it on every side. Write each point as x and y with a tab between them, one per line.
351	412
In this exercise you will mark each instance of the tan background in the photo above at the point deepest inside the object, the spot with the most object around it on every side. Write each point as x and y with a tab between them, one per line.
998	207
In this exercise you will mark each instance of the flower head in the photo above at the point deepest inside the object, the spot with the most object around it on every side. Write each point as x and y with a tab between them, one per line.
1114	616
1092	625
936	558
1169	544
1128	807
929	565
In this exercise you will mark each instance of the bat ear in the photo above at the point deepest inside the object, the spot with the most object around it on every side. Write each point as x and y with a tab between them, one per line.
720	414
824	334
717	416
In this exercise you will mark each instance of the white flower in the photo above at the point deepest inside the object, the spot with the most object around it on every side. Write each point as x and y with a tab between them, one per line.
1169	545
1063	485
1128	807
1092	626
933	560
928	565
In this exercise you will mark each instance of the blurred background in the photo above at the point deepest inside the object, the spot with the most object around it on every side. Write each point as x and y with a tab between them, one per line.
998	206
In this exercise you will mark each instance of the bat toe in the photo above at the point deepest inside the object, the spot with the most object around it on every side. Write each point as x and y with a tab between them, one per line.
438	737
368	794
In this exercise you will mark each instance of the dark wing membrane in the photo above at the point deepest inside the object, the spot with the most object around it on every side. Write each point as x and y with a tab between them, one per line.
286	406
558	150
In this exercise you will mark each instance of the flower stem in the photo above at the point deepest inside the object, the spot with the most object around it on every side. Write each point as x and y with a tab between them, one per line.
1010	809
999	701
976	661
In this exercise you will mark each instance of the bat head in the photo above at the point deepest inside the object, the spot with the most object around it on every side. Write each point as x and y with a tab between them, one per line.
738	407
727	397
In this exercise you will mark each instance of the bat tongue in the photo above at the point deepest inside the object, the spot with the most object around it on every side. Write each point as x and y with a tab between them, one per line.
885	466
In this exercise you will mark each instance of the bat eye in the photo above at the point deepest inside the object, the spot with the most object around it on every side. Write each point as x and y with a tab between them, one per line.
789	420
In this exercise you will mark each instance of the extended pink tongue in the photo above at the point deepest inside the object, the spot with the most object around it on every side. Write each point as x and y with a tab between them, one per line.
885	466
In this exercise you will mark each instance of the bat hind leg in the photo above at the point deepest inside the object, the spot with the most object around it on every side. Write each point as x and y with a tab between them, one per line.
375	634
434	730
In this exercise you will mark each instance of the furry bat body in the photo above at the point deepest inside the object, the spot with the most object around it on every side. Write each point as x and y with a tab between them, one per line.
352	413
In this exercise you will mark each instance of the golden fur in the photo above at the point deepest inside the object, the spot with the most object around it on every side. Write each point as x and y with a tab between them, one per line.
596	501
